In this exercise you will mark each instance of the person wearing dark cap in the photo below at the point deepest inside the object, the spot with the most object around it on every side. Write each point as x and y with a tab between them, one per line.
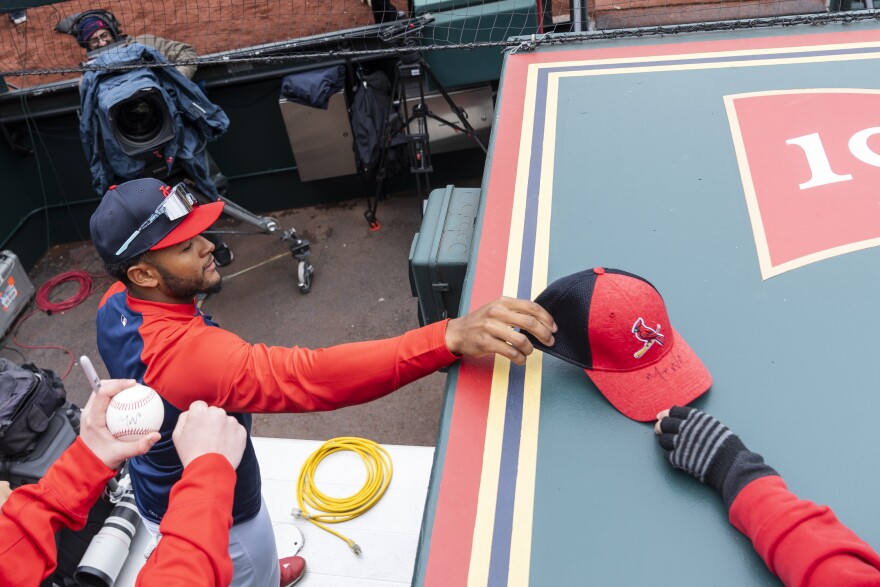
95	29
194	551
804	544
150	329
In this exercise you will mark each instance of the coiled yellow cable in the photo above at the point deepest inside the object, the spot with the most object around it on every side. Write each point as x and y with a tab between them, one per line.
333	510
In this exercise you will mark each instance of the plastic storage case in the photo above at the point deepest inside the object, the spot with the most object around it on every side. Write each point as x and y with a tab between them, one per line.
16	291
441	250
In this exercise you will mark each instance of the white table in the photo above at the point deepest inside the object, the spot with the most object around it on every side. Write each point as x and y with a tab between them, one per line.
388	534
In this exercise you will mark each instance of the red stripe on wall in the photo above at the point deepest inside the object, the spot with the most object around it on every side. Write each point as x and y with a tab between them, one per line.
452	537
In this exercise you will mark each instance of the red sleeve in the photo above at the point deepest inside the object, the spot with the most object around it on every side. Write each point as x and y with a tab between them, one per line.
34	513
194	549
804	544
223	370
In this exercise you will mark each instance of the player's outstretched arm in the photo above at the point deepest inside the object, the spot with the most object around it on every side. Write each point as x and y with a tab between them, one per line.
494	328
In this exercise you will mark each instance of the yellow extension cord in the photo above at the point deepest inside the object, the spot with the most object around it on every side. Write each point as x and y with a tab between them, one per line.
333	510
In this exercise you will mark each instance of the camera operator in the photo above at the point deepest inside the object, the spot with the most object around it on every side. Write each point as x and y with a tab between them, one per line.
98	29
210	445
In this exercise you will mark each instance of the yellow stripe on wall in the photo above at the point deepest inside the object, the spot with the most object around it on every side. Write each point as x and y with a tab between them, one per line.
524	503
481	552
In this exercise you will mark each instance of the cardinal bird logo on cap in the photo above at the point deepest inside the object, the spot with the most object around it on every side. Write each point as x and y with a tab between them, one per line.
646	335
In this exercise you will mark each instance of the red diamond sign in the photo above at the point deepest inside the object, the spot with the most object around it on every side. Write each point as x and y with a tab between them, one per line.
809	162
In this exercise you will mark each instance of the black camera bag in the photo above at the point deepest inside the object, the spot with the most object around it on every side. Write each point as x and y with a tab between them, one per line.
28	398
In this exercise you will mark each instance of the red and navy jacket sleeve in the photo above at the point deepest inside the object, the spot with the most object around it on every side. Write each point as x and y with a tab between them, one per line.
34	513
207	363
804	544
194	549
185	357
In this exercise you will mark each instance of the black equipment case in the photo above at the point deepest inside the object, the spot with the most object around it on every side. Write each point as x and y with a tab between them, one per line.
441	251
58	435
28	398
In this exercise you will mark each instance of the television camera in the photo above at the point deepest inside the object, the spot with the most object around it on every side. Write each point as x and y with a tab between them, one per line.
142	127
152	121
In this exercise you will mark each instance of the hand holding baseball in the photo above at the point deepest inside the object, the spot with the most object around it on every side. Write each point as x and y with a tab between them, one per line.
203	430
98	438
135	412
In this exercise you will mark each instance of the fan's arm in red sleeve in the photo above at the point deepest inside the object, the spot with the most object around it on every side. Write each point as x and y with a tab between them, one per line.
804	544
194	549
34	513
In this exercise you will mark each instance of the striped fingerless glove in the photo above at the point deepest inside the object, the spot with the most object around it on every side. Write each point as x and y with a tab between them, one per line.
700	445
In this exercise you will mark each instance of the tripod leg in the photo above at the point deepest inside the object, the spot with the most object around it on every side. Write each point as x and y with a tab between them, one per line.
453	106
420	191
301	250
420	141
264	223
387	135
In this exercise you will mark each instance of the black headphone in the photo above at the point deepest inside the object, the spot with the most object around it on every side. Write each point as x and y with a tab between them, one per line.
73	23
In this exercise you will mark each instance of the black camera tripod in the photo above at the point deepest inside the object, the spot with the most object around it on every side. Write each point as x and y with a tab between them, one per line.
410	73
299	247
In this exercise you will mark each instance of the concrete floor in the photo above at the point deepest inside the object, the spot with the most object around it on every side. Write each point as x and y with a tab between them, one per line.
360	291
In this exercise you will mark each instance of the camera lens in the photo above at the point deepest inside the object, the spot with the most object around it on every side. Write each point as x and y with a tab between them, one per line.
141	122
141	119
106	554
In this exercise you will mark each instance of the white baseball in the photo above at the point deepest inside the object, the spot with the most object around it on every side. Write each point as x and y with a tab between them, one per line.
134	412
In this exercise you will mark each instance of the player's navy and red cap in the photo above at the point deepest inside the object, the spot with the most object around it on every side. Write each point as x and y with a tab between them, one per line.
614	325
132	218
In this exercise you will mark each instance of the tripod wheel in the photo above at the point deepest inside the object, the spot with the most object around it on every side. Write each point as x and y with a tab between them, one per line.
304	276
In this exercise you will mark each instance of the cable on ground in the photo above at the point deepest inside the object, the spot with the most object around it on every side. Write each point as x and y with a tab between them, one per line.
333	510
43	301
86	287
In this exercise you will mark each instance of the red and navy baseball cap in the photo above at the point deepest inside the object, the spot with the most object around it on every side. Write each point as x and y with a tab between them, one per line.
614	325
122	228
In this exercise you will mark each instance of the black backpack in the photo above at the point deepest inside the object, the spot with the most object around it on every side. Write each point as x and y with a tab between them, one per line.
37	424
29	397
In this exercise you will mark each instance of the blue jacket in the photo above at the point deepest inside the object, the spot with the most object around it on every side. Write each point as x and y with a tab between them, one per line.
194	118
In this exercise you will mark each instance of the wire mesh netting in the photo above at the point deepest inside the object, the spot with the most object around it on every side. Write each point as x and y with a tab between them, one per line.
35	49
211	26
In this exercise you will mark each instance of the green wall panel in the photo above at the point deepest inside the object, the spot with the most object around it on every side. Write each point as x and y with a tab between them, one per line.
491	21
